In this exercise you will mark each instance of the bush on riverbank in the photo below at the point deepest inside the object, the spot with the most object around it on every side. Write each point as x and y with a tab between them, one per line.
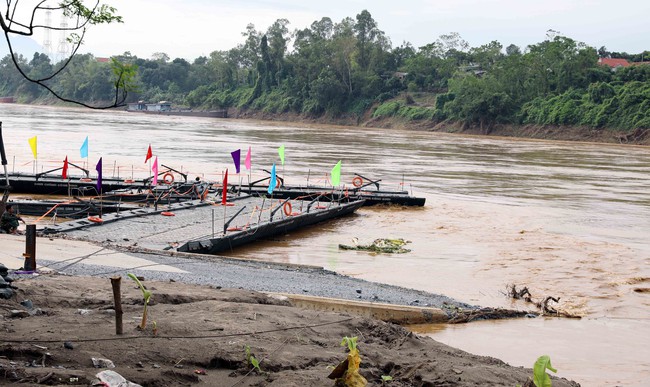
349	71
602	105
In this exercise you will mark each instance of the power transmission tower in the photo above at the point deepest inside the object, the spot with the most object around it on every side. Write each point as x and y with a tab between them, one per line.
63	50
47	40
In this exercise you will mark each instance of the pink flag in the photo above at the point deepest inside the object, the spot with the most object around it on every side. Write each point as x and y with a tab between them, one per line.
154	170
248	159
225	189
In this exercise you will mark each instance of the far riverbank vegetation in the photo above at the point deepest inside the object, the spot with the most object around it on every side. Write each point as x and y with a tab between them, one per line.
351	70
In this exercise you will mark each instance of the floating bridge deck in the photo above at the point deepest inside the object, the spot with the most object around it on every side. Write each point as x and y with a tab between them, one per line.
196	225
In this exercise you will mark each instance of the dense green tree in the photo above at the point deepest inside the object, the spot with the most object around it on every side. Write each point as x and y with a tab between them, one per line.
366	32
479	101
278	39
350	66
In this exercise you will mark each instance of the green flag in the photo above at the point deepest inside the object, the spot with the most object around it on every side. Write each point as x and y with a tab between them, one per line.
281	153
336	174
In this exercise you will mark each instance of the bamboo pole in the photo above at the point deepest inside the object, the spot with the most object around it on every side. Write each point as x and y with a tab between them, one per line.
117	298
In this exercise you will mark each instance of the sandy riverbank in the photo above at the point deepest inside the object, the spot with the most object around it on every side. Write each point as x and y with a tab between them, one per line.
202	333
207	327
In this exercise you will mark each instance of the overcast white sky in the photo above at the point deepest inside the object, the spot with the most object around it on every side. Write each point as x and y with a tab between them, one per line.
191	28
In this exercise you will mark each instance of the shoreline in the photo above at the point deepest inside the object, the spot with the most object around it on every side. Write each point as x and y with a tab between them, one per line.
223	310
581	134
535	132
96	259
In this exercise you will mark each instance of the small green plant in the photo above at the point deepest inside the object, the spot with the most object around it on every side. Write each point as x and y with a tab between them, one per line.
146	295
350	342
250	358
386	379
347	372
540	377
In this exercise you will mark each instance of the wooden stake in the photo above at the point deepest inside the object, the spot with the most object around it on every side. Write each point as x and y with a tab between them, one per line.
116	282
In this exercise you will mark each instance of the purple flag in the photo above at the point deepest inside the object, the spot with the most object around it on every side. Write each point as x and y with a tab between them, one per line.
236	157
98	168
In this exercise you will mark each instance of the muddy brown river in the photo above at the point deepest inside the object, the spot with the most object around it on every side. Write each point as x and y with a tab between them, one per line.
569	220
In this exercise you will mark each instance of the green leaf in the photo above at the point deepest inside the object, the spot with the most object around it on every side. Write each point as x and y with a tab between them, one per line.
351	342
540	377
146	294
255	362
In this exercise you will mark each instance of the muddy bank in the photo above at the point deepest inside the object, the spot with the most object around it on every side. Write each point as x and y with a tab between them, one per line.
540	132
202	335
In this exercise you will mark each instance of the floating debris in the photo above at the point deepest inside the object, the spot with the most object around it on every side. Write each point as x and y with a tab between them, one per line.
381	245
544	307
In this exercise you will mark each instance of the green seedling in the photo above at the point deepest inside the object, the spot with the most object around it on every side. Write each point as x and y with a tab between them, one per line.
386	379
350	342
250	358
540	377
347	372
146	295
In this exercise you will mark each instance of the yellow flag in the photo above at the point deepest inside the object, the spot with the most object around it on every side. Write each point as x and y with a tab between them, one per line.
32	144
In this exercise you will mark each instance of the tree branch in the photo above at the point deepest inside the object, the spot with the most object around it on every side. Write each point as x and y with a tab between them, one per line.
97	14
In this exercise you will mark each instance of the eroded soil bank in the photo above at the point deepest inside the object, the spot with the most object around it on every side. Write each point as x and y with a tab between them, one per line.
540	132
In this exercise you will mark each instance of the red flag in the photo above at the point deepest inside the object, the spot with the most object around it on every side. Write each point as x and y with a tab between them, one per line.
65	168
149	154
225	189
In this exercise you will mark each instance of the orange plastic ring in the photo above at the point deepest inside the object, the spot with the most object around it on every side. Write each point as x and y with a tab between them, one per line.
287	209
95	219
167	213
168	178
129	181
357	181
86	179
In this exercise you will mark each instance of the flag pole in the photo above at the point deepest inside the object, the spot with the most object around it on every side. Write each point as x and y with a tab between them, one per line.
224	200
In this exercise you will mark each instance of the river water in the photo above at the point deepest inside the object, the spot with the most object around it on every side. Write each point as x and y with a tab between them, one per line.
568	220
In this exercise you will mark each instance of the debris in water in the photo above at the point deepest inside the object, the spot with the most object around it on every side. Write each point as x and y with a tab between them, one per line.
380	245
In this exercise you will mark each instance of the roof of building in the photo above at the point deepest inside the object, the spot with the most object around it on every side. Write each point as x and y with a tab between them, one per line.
613	62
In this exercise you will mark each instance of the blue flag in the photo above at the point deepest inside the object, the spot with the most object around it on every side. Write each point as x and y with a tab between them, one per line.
84	149
98	168
273	181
